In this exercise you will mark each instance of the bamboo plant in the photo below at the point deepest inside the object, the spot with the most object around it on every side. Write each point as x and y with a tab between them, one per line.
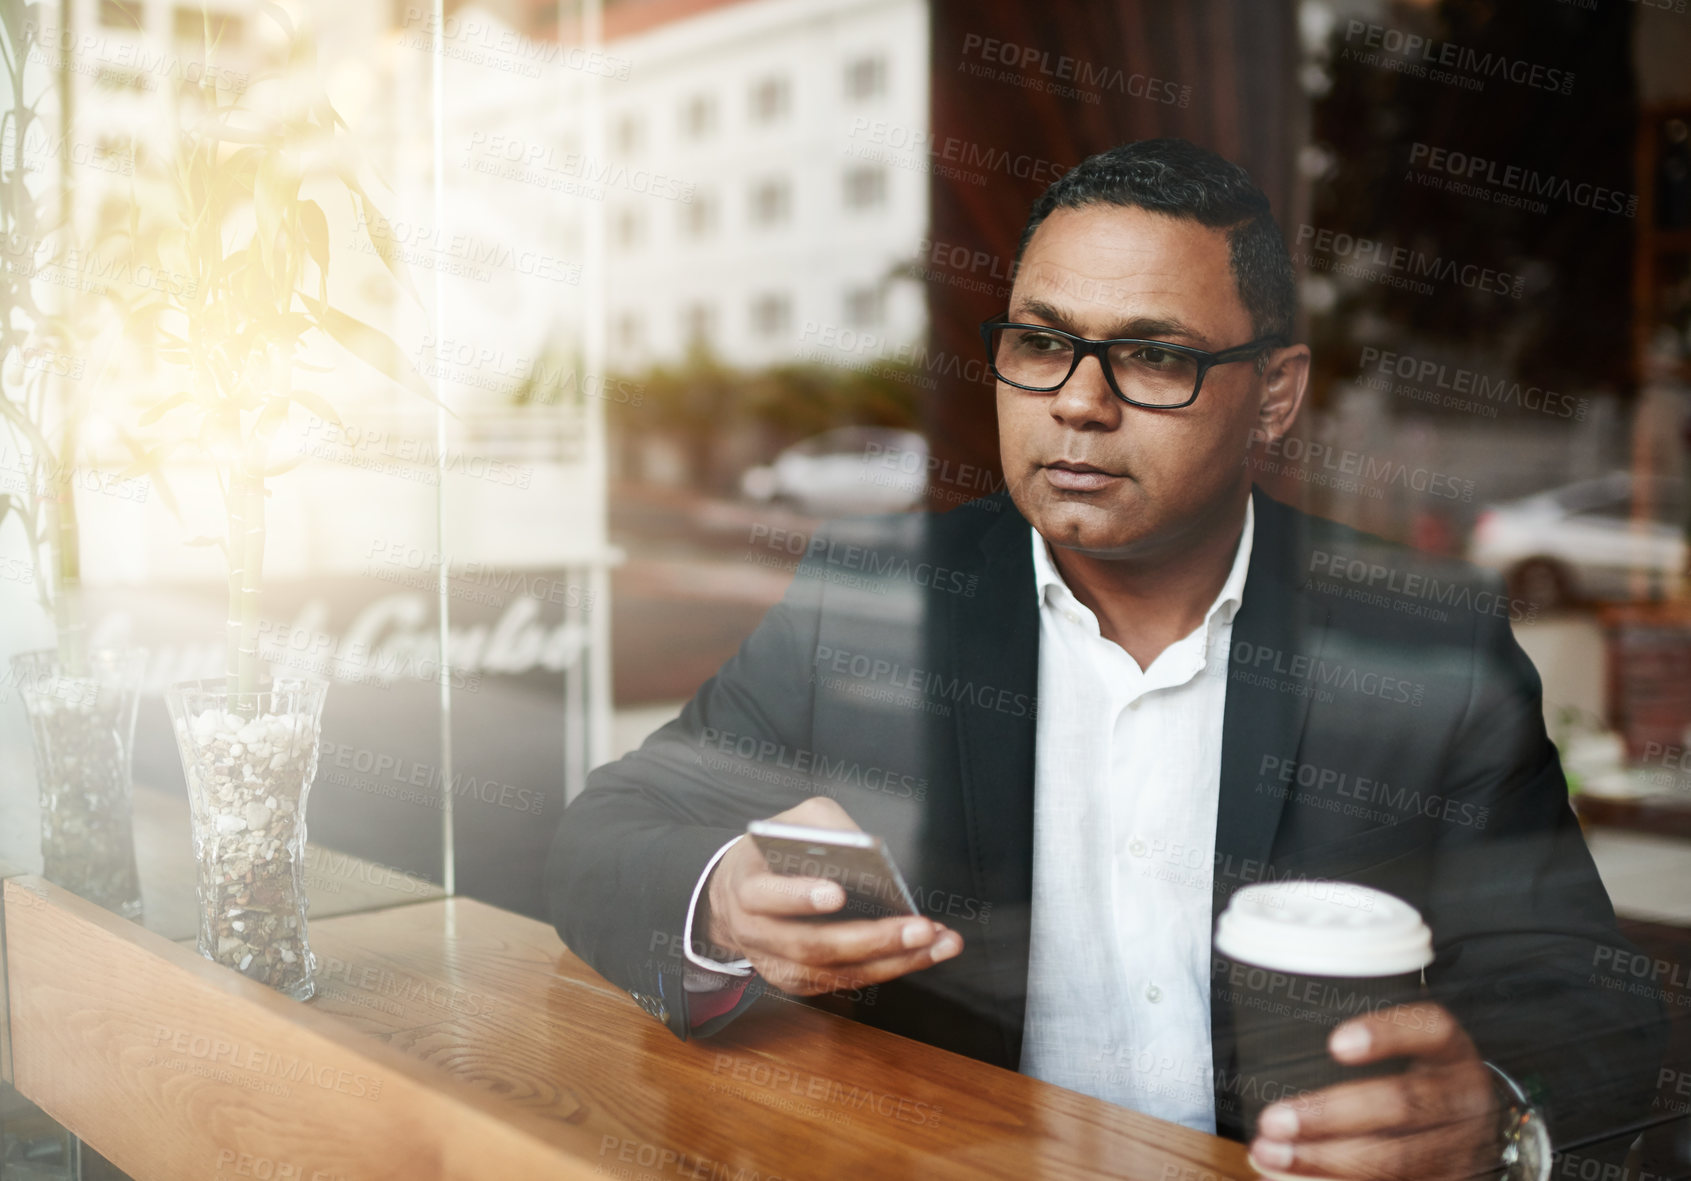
253	255
42	415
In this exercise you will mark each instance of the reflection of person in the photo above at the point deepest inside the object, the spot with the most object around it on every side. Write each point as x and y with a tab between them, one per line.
1166	688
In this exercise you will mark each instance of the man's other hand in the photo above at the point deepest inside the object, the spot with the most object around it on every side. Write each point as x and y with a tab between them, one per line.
1437	1121
761	915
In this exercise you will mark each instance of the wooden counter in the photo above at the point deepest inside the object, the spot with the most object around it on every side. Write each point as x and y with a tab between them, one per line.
450	1039
1664	815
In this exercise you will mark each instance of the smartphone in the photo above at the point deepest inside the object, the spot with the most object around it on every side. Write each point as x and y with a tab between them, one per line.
858	861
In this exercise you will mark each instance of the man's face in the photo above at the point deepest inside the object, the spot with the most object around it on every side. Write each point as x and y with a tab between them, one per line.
1088	471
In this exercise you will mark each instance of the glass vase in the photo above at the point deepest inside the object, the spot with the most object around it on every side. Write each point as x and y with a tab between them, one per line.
82	722
249	759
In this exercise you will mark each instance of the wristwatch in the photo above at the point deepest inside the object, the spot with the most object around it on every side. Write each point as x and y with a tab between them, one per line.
1526	1141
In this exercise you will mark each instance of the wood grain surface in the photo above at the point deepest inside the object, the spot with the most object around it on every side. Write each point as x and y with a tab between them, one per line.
453	1039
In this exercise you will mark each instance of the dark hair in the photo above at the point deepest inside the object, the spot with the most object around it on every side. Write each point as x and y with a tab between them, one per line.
1179	179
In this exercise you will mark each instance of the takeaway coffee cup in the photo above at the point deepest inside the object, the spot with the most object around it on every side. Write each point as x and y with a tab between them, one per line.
1298	958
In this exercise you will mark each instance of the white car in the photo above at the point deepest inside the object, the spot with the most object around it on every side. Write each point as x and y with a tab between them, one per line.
1581	541
842	472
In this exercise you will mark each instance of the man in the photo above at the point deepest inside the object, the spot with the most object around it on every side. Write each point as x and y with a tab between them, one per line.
1083	713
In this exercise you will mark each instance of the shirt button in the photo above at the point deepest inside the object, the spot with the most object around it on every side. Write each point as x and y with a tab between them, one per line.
1153	993
1137	848
1071	616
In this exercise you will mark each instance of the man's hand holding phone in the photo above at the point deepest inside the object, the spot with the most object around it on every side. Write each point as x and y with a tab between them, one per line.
770	919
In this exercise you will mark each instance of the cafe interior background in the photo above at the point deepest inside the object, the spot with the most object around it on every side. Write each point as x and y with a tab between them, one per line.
598	311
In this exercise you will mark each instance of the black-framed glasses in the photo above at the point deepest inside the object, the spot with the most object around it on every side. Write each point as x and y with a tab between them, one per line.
1155	374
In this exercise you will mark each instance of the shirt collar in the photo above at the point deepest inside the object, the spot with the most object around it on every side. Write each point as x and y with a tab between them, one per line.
1049	584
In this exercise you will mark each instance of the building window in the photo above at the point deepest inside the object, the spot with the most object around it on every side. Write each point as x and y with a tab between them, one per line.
865	188
771	203
629	228
770	99
628	333
698	117
220	29
770	315
698	217
866	77
863	307
629	133
698	324
120	14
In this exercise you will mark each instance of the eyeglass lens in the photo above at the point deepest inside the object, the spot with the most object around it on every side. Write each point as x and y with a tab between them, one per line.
1143	371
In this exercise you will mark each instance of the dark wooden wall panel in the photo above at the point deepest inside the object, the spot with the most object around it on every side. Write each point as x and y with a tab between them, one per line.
1230	69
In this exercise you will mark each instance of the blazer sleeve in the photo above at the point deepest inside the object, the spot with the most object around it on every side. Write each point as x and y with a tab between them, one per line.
1528	942
630	848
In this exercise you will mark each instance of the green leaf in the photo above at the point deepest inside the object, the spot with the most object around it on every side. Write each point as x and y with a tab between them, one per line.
274	414
316	227
226	131
375	348
385	247
164	407
149	462
275	191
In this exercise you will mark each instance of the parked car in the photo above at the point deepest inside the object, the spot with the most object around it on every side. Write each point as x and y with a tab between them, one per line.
1580	541
848	470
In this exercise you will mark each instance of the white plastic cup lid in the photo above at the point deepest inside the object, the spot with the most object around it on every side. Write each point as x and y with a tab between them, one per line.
1321	928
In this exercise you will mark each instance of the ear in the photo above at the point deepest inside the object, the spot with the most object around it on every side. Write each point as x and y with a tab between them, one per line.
1285	378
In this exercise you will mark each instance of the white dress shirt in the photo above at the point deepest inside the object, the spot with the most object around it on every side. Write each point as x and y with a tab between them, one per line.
1127	775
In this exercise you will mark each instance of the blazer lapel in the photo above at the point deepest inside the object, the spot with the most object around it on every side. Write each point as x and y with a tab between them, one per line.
994	642
1277	638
